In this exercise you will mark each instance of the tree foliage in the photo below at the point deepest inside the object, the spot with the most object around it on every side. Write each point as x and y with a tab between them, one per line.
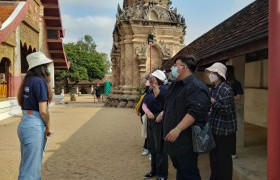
86	63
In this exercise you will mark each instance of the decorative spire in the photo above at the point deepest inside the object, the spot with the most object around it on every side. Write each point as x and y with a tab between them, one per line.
163	3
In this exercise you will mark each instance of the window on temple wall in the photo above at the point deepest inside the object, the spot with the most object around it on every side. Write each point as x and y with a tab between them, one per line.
25	51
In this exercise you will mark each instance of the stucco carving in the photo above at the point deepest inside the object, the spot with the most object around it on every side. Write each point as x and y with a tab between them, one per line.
7	52
166	49
141	51
32	17
11	40
29	36
140	12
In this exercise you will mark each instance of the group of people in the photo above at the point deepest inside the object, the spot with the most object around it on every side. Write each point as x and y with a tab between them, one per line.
172	108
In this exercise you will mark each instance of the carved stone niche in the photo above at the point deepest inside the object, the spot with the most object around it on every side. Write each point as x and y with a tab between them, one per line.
141	50
141	60
166	51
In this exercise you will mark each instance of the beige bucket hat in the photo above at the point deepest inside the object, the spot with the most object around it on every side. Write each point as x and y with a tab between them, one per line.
160	75
218	68
37	59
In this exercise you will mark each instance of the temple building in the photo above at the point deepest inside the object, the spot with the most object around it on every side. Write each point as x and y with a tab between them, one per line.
132	56
26	27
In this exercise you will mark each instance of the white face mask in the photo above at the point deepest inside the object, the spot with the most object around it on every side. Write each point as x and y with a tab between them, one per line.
147	83
213	77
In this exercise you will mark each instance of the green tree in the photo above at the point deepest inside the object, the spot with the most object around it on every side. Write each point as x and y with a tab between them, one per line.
86	63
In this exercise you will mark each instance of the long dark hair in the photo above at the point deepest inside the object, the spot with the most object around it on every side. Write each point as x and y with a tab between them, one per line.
38	71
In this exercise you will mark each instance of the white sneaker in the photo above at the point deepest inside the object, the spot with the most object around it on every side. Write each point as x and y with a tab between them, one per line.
145	152
150	157
234	156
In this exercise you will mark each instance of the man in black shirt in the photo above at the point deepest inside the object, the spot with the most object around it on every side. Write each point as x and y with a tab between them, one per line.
237	92
187	102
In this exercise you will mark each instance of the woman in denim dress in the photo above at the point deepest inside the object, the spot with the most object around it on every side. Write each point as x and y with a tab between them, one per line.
34	127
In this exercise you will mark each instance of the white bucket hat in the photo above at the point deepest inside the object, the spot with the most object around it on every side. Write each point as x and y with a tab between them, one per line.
37	59
160	75
218	68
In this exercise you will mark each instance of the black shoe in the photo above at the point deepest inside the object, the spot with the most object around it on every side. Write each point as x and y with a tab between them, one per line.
149	175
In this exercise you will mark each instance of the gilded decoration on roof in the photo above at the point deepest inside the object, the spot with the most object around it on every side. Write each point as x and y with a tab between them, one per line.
7	52
32	16
29	36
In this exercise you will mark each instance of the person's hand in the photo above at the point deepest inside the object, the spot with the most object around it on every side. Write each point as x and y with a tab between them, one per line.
173	135
212	100
48	132
150	115
159	118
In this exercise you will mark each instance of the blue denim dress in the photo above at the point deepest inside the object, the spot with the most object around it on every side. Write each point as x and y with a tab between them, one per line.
31	133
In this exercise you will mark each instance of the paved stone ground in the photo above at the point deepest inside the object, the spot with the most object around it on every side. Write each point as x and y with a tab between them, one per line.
91	142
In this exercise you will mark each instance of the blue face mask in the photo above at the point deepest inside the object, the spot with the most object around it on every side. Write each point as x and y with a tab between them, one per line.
174	72
48	70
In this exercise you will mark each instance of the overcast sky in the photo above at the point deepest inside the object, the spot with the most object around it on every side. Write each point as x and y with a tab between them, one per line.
97	18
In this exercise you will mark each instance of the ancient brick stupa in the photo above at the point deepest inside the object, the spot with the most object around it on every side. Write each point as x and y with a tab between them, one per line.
131	51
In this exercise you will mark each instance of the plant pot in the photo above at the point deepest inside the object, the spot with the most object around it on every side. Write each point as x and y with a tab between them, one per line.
72	97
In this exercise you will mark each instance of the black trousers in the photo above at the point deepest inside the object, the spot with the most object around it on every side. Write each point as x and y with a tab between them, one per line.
159	162
233	145
145	144
186	166
220	158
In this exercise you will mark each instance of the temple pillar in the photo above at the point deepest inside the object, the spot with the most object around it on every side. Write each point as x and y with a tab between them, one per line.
136	77
273	149
122	67
118	71
239	70
114	74
128	65
41	33
16	77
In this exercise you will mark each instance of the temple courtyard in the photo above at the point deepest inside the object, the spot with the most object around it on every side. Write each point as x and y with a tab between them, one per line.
93	142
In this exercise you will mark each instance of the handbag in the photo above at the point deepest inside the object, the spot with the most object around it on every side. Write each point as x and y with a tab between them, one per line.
139	103
202	138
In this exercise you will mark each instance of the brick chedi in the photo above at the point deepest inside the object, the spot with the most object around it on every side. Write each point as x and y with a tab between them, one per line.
131	53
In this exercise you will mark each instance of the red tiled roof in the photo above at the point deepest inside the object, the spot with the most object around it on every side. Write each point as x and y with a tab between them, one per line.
246	26
12	13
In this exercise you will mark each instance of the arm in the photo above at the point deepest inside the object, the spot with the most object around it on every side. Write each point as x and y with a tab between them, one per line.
150	115
145	108
159	117
223	104
186	122
239	91
43	108
237	97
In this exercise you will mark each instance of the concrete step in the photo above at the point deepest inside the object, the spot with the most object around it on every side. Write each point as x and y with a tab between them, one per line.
9	108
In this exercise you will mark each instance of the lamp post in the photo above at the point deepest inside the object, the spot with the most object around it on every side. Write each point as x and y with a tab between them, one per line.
150	42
